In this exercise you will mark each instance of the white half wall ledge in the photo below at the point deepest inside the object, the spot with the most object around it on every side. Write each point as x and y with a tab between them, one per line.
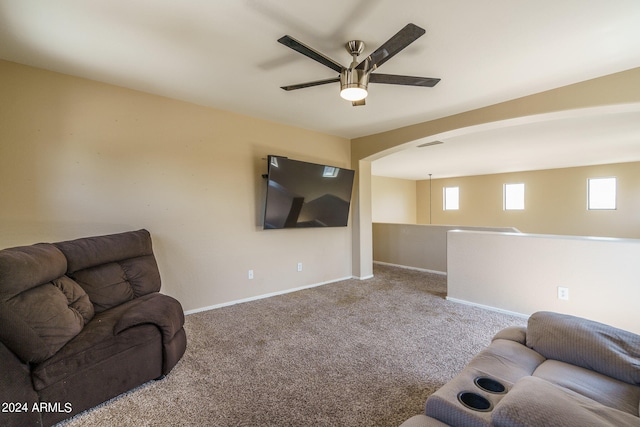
521	273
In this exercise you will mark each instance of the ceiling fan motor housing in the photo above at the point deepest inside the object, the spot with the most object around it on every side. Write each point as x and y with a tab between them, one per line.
353	84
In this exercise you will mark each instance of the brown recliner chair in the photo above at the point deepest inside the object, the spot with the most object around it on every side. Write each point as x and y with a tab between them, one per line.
81	322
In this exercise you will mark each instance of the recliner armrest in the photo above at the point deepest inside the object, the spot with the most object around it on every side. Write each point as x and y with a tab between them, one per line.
512	333
158	309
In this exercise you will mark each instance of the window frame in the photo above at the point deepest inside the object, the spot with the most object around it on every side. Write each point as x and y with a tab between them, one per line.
444	199
615	193
505	193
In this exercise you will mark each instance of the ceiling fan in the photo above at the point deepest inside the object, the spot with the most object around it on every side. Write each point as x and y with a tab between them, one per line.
354	80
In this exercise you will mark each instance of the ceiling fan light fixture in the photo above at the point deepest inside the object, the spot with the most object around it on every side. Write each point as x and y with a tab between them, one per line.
353	93
353	84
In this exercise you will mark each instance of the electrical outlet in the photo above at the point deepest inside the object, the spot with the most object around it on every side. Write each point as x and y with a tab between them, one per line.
563	293
250	274
299	266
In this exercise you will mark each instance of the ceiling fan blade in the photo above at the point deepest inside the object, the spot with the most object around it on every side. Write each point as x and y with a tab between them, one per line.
310	84
358	103
395	44
309	52
393	79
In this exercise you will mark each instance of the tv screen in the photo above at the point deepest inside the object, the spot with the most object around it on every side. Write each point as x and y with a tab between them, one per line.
301	194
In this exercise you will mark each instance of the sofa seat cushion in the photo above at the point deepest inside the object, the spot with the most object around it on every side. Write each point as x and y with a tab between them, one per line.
40	308
606	390
95	345
591	345
536	402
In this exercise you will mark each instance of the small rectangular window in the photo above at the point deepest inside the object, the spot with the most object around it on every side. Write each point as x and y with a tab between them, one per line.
601	193
451	198
330	172
514	197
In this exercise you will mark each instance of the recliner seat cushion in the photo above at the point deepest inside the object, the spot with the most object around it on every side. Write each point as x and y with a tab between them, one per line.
535	402
40	308
601	388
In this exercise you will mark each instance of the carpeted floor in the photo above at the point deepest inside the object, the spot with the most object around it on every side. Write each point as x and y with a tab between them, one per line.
351	353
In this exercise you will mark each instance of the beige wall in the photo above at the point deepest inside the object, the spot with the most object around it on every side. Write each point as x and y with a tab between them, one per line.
393	200
607	91
361	214
521	273
81	158
555	202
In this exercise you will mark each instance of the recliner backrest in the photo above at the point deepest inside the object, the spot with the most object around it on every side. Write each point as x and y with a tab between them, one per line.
586	343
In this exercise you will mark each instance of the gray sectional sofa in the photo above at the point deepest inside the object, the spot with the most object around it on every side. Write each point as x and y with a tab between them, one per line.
82	321
560	370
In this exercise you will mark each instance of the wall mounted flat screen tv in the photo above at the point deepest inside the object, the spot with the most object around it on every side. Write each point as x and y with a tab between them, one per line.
302	194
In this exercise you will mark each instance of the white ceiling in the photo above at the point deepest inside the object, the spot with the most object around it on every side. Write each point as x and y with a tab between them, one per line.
224	54
575	138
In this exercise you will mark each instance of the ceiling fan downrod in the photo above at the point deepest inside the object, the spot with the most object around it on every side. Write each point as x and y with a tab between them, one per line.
354	82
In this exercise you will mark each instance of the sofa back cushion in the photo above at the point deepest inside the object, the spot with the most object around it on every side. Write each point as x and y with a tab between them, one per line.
585	343
41	309
113	269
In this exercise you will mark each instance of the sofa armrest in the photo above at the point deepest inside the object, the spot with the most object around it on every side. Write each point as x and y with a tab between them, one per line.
15	387
512	333
158	309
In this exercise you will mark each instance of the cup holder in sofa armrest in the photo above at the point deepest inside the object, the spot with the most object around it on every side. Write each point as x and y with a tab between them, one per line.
490	385
474	401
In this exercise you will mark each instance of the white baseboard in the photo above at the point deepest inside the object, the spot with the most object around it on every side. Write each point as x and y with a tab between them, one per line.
442	273
258	297
488	307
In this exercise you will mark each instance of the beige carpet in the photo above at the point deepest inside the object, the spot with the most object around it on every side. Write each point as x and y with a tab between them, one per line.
351	353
